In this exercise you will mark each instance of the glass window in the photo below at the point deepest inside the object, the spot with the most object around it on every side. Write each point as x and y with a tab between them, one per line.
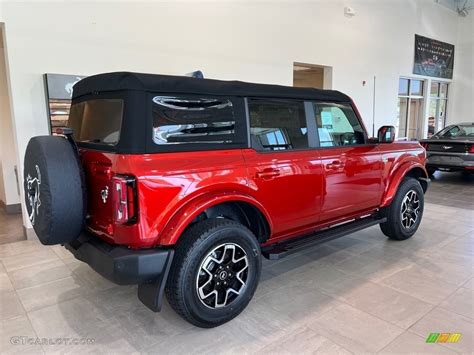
434	89
416	87
402	109
97	121
457	131
443	92
185	120
337	125
277	125
414	119
403	87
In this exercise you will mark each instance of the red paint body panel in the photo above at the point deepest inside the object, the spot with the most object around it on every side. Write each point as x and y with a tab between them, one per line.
397	163
297	191
353	178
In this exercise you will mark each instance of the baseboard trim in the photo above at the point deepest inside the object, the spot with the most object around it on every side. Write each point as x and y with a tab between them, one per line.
29	233
11	209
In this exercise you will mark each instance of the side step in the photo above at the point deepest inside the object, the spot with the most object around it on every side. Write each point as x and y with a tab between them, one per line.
282	249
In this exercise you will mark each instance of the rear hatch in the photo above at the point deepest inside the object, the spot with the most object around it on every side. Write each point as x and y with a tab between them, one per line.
448	146
96	125
98	174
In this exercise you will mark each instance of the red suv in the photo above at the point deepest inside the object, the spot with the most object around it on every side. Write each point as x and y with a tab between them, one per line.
180	185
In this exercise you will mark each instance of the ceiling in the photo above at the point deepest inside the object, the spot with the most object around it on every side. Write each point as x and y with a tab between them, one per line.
458	5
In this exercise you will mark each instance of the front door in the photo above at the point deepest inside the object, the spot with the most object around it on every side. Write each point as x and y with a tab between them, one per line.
285	174
352	168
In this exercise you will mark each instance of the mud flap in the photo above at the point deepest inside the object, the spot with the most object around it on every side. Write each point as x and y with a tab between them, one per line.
151	293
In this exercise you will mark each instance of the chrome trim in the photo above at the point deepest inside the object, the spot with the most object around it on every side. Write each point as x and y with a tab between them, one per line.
104	194
167	101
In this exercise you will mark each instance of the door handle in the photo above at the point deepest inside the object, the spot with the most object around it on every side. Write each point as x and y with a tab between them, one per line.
335	165
267	173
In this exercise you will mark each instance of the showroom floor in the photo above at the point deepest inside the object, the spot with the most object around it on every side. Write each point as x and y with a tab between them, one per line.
11	227
361	293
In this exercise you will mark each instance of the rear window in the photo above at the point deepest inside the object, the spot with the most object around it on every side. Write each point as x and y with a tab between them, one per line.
97	121
457	131
277	125
189	120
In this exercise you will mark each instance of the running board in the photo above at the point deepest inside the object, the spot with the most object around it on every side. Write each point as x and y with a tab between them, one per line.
280	250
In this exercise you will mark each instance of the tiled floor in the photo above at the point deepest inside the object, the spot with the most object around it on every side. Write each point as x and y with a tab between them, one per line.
359	294
11	227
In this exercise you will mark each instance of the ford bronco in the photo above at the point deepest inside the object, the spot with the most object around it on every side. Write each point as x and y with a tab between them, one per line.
180	185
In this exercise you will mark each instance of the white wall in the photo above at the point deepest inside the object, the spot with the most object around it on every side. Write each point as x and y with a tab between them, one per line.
461	108
8	156
252	41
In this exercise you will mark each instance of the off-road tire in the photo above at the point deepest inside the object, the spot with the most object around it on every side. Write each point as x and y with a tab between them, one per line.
393	227
192	249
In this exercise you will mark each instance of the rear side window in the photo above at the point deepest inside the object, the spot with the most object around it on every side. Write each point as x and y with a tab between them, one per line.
337	125
189	120
97	121
277	125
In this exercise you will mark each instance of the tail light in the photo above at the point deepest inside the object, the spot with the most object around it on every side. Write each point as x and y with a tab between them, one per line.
471	149
125	199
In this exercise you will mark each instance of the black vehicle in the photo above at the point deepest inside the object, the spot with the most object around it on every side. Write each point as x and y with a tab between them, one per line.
451	149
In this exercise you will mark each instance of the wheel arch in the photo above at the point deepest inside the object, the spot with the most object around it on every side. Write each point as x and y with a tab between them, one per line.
408	169
238	207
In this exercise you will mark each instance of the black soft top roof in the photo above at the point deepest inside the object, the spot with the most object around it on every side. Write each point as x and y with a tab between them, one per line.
118	81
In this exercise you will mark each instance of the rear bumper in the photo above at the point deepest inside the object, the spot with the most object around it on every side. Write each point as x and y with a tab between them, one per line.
121	265
450	161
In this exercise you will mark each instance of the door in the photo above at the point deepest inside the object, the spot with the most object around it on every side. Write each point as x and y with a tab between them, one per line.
285	174
352	168
410	107
437	107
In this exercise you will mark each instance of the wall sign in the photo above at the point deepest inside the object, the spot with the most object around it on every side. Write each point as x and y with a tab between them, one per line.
433	58
58	96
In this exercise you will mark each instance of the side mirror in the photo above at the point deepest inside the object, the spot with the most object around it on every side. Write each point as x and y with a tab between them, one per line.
386	134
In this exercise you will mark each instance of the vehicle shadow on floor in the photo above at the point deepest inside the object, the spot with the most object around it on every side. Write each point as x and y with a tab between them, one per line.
362	275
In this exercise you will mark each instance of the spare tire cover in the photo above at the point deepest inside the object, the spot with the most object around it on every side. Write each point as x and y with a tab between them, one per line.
54	189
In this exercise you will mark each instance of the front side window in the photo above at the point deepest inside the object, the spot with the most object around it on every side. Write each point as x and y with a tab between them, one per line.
97	121
189	120
277	125
337	125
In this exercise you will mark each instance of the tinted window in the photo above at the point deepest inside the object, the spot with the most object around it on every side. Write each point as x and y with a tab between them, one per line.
187	120
277	125
97	121
337	125
457	131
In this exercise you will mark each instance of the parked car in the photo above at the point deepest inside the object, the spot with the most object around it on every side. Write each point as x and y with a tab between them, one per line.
451	149
180	185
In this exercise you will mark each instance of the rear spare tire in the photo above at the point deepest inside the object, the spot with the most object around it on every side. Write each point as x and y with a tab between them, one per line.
54	189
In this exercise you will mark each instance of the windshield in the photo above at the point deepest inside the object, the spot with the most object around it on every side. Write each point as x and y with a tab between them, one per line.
456	131
97	121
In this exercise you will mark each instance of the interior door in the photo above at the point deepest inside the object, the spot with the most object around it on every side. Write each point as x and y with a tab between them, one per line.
285	174
352	168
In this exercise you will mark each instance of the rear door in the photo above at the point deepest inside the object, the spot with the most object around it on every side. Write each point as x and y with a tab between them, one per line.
352	167
284	171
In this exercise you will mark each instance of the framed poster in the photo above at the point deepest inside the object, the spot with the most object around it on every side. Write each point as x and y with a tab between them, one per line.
58	97
433	58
